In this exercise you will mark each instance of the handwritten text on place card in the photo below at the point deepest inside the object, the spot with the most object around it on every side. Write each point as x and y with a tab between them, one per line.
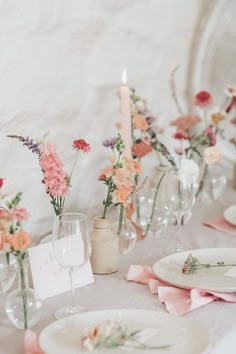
49	278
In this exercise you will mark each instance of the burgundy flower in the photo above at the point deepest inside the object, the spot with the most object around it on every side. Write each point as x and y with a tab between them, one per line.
102	177
211	135
81	145
181	136
1	182
202	99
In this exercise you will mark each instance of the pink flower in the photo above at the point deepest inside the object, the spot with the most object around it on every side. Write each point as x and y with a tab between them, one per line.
107	171
181	136
179	151
185	122
55	179
1	182
203	99
212	154
19	214
121	176
210	134
81	145
140	122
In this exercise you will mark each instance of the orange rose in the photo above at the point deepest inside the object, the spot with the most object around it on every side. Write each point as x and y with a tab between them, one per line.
20	240
140	122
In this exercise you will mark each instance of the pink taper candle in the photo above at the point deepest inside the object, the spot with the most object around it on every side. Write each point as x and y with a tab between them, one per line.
125	116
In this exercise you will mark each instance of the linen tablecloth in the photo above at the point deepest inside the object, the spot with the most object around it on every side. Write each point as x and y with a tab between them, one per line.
114	292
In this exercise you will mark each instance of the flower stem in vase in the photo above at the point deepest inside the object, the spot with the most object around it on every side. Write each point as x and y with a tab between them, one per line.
201	184
121	216
107	202
20	260
154	204
136	178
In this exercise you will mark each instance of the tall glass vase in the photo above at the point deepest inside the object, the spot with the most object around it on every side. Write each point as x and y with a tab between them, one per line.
23	305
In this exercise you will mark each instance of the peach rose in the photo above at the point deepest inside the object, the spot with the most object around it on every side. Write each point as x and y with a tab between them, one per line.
212	154
123	193
20	240
4	242
140	122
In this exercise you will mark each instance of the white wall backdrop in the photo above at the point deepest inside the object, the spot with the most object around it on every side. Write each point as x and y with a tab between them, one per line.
60	69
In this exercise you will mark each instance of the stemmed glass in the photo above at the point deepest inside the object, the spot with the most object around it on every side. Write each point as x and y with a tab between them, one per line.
71	249
179	195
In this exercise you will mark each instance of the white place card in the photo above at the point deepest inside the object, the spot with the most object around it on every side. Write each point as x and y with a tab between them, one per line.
230	272
49	278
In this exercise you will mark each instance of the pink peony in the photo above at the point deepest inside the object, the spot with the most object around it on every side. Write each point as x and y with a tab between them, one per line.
185	122
203	99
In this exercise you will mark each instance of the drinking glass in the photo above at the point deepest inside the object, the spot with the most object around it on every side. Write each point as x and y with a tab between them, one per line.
71	249
179	195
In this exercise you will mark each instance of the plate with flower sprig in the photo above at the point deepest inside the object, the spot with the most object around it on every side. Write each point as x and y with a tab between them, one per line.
200	268
117	331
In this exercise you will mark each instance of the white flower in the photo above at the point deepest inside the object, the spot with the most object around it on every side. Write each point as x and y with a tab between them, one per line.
212	154
189	167
230	91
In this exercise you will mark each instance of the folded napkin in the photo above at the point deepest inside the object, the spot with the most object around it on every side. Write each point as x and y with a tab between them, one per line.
222	225
177	301
31	345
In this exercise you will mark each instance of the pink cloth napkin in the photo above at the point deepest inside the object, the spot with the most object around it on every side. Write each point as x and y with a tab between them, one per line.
222	225
31	345
177	301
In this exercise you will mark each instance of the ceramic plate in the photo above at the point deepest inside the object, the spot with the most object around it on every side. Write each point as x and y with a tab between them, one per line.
230	215
169	269
183	335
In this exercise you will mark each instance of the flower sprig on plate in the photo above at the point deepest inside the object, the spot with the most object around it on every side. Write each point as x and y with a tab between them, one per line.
192	263
111	335
55	179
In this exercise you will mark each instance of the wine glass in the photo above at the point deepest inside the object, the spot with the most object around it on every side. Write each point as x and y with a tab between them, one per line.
71	249
179	194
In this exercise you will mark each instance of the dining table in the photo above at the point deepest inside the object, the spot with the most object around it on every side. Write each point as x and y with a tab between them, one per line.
113	291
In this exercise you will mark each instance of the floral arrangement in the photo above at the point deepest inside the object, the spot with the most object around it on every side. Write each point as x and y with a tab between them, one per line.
192	263
197	131
111	335
55	179
14	240
119	178
145	132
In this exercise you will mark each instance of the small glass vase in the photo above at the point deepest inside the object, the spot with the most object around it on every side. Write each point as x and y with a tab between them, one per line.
212	184
7	272
127	236
23	305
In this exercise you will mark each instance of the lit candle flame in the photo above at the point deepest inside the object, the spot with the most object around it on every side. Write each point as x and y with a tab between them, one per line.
124	77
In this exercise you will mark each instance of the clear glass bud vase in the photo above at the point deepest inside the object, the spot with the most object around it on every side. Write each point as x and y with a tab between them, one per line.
23	305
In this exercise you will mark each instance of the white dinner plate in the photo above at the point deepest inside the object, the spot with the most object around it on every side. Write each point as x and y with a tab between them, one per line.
184	335
169	269
230	214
